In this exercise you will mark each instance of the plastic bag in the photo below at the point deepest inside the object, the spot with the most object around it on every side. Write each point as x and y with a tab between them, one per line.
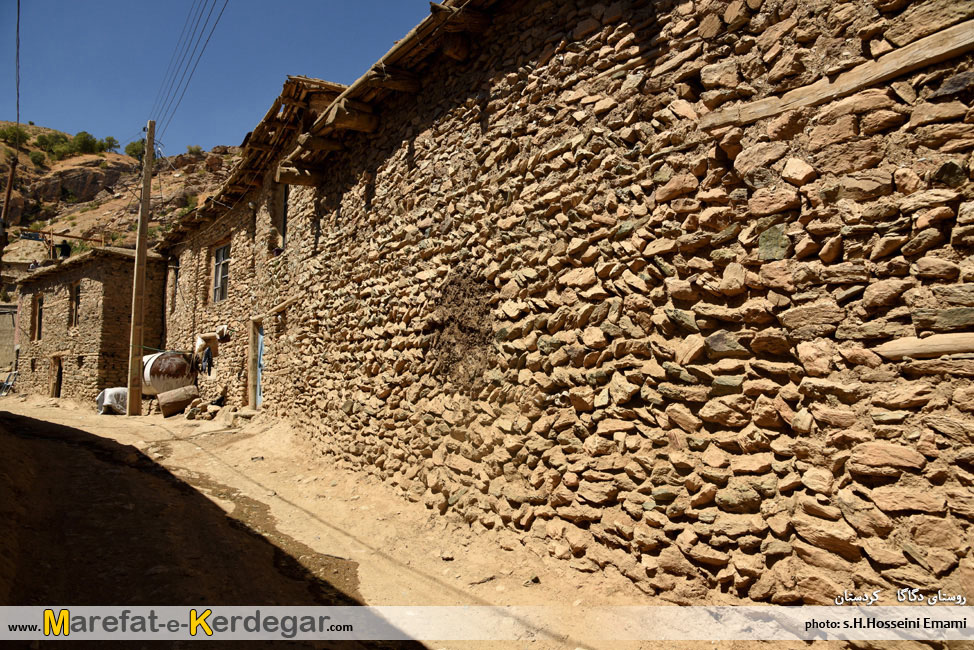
112	400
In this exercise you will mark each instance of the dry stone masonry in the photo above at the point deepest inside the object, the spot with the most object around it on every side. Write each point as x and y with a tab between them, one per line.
600	289
78	356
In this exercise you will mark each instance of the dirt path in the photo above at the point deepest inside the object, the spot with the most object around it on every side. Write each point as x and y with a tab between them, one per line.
153	511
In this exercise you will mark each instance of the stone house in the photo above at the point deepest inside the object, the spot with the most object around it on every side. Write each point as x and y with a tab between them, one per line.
680	291
74	323
231	260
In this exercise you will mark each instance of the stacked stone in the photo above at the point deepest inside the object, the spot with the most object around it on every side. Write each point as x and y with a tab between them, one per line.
93	353
543	298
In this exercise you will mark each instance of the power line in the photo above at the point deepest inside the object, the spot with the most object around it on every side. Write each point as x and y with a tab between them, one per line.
183	61
172	58
18	63
198	59
165	112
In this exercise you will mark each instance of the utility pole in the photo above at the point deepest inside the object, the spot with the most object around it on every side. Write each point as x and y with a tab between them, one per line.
134	406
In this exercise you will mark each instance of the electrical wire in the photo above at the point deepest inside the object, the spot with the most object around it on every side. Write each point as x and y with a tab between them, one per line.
199	58
183	63
172	58
18	64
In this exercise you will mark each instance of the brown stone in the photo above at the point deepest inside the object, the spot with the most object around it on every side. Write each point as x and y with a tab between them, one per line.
798	172
884	293
835	536
844	128
677	186
938	269
925	18
816	356
850	157
905	396
879	457
821	312
580	278
758	156
720	75
766	201
866	518
894	498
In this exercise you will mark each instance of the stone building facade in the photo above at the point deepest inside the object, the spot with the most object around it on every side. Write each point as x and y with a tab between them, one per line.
74	323
683	291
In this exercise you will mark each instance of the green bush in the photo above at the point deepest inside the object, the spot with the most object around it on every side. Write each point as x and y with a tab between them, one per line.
135	149
194	149
48	141
59	146
62	150
14	135
38	158
84	142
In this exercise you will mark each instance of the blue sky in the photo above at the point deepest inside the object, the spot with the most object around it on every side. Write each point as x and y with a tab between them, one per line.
97	65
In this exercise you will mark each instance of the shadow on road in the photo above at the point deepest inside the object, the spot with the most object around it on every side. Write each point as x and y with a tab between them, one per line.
90	521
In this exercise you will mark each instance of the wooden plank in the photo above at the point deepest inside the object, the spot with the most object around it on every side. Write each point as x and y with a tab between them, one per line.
938	47
460	20
931	346
305	166
294	101
392	78
319	102
344	115
294	176
310	142
279	307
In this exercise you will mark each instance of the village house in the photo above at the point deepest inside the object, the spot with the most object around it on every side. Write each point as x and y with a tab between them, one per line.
231	260
74	323
680	291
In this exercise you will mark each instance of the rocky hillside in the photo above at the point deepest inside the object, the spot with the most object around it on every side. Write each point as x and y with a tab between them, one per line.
95	195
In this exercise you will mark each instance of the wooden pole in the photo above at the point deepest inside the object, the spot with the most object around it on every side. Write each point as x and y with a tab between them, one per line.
134	406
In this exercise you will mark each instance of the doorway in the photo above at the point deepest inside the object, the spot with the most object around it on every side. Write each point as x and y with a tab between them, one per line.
57	376
260	366
255	389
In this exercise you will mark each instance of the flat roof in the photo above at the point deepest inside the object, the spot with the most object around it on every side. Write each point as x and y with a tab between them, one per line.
80	260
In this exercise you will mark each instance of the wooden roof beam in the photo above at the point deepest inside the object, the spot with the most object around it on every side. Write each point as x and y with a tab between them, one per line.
346	114
460	20
392	78
294	101
320	101
295	176
310	142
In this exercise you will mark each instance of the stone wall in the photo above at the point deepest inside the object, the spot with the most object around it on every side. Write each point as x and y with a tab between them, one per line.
8	353
260	276
94	353
543	299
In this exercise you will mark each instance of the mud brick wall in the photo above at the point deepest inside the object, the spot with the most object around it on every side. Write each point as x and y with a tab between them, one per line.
542	298
94	353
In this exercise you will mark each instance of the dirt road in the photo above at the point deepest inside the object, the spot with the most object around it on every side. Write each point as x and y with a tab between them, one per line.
113	510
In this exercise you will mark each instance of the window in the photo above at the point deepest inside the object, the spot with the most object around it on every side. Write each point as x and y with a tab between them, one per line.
174	269
281	195
38	316
74	304
221	272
